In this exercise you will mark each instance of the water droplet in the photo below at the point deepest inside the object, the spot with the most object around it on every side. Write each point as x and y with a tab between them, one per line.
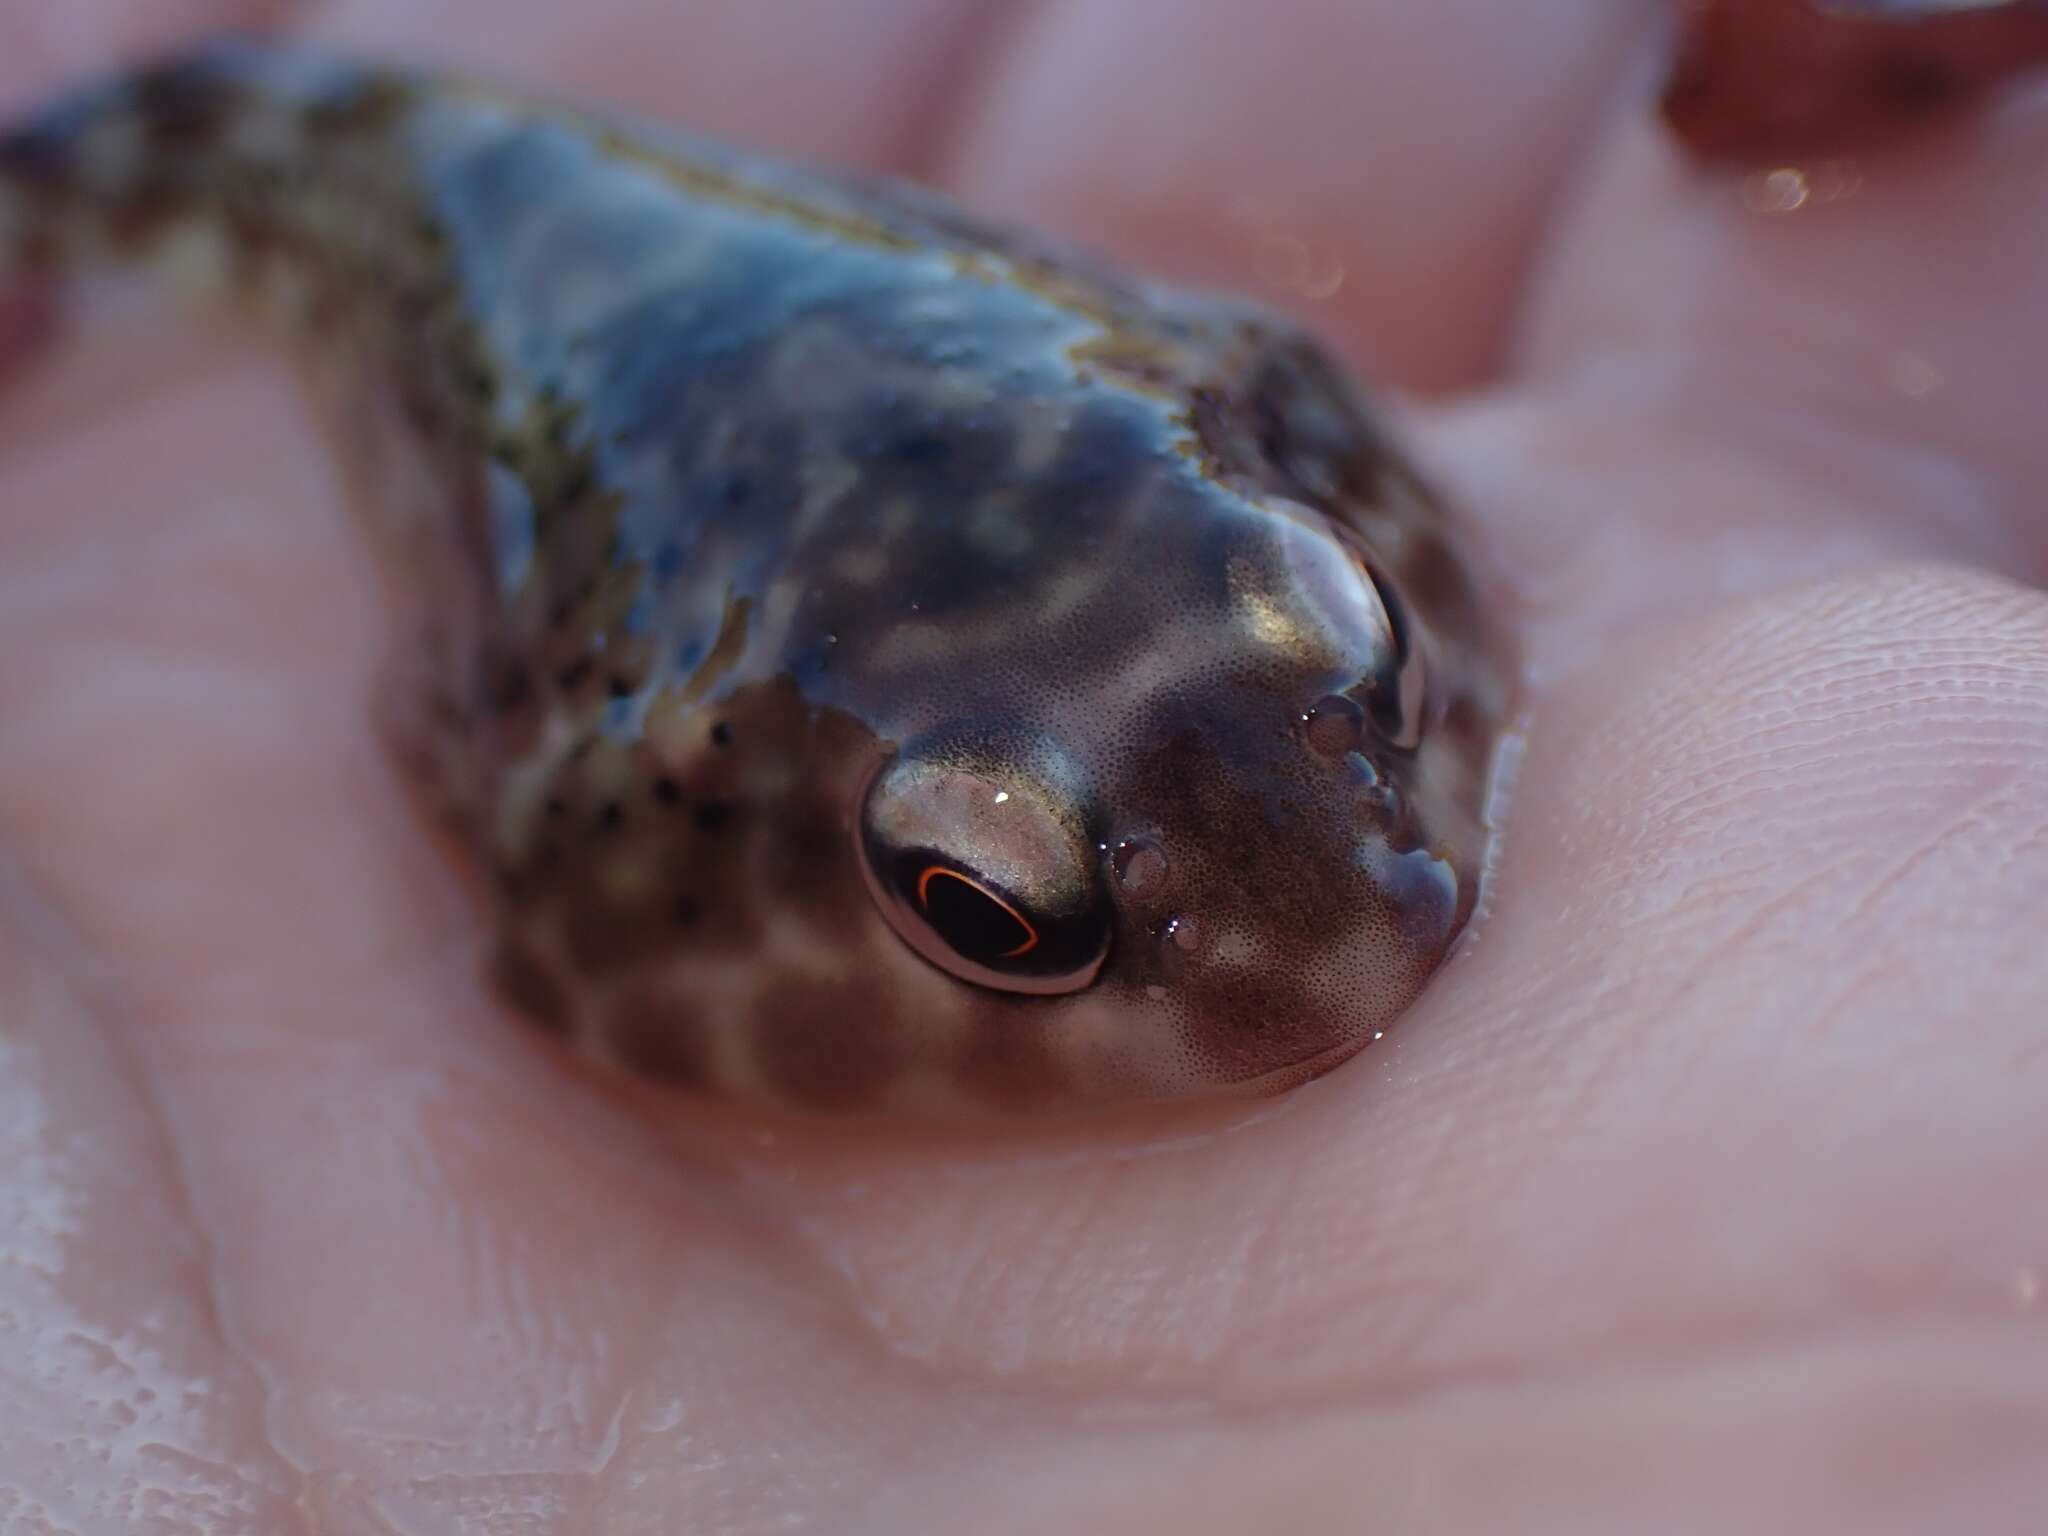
1384	801
1294	266
1913	375
2026	1286
1333	725
1140	866
1784	190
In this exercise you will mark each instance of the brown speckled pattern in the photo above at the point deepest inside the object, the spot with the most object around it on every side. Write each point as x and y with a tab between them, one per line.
721	488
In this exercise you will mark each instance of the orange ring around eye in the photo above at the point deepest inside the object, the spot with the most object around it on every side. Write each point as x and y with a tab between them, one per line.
932	871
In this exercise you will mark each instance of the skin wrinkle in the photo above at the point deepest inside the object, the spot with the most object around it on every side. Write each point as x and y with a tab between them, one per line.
1130	1353
40	923
1993	1320
1777	744
1495	1468
1759	922
1839	1009
1393	1380
1729	786
1952	829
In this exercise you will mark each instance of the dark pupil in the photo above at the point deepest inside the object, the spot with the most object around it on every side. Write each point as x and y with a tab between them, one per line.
975	924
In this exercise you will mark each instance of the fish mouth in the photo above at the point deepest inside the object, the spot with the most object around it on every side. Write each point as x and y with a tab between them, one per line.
1295	1073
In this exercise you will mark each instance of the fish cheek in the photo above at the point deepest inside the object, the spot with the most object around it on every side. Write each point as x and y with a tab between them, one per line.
1298	916
671	886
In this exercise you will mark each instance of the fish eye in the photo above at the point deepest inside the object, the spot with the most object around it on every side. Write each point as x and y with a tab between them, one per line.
1397	704
975	920
984	874
1394	691
1364	599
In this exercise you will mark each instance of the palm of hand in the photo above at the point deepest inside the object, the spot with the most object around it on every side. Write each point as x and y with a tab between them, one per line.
1702	1190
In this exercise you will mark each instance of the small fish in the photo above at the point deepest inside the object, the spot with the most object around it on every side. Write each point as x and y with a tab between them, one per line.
885	666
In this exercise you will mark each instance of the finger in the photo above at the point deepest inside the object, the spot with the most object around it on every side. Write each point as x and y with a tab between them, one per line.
863	84
1384	169
191	637
1888	301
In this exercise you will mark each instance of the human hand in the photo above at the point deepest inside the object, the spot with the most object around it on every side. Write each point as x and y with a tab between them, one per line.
1701	1192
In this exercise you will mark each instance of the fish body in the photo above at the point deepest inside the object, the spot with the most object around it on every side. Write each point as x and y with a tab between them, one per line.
884	666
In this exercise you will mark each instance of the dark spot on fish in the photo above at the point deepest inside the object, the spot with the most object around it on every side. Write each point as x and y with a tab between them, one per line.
1011	1070
660	1036
721	735
183	104
712	815
425	414
573	676
530	987
510	686
609	818
820	1052
667	791
1917	81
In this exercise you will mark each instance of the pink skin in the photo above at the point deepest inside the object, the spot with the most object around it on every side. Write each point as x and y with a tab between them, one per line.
1703	1193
